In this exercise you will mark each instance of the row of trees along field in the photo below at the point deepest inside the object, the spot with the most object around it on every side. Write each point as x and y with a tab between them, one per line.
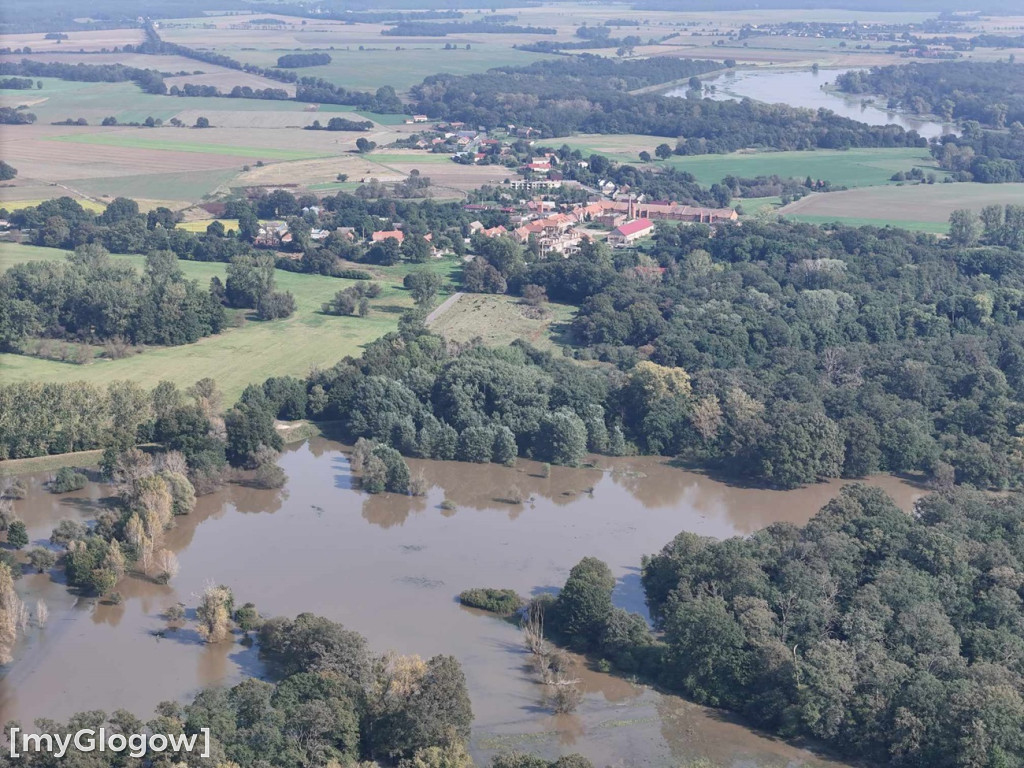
892	638
535	96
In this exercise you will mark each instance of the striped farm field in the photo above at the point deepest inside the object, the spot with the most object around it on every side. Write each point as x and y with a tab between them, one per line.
157	143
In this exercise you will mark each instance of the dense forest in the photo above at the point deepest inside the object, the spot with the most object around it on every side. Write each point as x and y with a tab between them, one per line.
90	298
775	351
896	639
977	154
990	92
535	96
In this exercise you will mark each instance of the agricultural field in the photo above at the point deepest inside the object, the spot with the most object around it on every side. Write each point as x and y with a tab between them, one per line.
847	168
85	40
362	58
924	207
174	166
238	356
500	320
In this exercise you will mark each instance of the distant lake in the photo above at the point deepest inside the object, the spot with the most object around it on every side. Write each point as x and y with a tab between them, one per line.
804	89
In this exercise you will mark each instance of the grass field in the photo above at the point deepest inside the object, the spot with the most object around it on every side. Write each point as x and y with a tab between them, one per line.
174	187
200	225
13	205
500	320
924	207
848	168
238	356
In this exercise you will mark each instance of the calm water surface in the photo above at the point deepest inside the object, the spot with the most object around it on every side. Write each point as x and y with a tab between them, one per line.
803	88
390	567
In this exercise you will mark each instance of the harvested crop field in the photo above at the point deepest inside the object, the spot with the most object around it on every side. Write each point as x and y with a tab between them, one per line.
903	206
86	40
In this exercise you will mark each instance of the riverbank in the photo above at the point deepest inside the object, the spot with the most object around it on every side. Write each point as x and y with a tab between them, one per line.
389	567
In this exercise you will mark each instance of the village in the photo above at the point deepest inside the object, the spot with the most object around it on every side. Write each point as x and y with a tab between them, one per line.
543	223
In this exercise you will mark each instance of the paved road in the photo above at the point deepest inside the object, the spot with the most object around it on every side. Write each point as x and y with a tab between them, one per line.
443	307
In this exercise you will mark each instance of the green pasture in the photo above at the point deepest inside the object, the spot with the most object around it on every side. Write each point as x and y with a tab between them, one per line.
848	168
238	356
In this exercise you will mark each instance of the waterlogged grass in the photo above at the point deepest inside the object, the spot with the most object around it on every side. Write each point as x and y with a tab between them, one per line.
238	356
122	139
10	467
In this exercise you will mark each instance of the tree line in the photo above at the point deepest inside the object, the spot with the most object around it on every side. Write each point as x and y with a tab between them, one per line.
293	60
800	363
149	80
433	29
890	637
535	96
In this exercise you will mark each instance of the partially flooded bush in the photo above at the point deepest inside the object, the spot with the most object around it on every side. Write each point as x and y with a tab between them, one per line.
68	480
503	602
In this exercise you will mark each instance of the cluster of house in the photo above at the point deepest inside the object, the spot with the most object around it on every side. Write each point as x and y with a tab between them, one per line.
630	220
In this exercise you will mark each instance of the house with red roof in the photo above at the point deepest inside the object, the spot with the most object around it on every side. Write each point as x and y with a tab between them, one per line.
630	232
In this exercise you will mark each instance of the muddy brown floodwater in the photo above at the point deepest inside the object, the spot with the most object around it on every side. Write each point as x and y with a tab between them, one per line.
390	567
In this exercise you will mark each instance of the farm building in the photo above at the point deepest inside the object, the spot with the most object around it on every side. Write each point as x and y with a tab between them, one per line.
630	232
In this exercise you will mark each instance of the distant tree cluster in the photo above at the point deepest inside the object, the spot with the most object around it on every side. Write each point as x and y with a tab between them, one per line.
432	29
294	60
341	124
991	93
535	96
14	116
17	83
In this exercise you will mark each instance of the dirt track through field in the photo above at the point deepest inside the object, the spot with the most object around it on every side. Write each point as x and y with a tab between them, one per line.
443	307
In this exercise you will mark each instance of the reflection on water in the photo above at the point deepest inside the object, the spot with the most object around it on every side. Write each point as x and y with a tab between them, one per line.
389	567
804	89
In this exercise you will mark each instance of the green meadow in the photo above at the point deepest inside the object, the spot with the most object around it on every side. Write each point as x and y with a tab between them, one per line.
381	64
239	356
848	168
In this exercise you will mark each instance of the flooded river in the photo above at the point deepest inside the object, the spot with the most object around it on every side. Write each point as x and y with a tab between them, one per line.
803	88
390	567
